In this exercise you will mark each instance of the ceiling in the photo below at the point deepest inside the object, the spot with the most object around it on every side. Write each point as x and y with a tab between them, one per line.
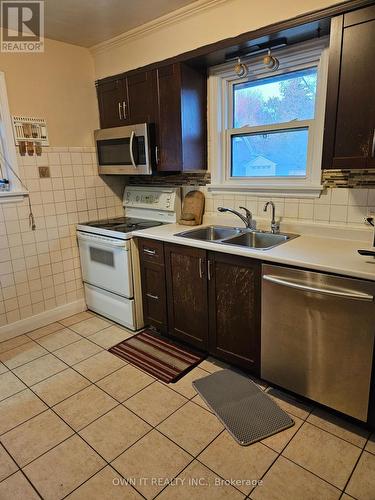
88	22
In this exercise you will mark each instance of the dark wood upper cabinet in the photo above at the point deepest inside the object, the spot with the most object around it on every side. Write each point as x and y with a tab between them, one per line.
142	95
113	102
349	135
181	126
187	294
234	304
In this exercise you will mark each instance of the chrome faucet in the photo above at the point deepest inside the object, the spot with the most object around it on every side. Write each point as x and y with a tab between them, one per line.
275	226
247	219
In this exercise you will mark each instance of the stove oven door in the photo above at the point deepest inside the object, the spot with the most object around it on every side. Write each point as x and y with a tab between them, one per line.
106	263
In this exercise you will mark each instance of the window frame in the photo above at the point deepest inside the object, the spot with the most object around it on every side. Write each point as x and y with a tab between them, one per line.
8	148
220	113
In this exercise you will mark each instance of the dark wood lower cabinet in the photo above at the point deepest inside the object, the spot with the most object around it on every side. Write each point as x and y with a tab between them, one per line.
234	305
154	295
208	300
187	294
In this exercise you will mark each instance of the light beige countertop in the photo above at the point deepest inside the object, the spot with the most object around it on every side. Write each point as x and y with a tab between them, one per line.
312	251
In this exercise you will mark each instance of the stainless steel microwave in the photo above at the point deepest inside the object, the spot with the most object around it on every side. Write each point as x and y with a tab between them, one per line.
124	150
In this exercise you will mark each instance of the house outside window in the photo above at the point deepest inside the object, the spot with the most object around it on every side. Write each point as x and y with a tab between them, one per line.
266	130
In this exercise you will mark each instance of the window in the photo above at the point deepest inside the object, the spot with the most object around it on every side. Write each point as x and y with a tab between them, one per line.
7	149
266	130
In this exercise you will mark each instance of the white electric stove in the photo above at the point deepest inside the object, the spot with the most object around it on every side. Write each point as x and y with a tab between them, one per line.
109	256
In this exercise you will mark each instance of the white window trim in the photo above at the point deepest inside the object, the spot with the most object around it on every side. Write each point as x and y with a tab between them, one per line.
220	80
17	192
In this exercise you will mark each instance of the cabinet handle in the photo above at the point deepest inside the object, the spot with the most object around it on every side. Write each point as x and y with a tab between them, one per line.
119	111
124	109
200	268
209	270
373	145
150	296
157	155
149	252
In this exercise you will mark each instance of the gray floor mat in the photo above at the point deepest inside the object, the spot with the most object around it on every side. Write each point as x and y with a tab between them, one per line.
245	410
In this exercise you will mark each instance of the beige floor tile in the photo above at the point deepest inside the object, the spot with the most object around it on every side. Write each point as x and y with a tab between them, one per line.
78	351
18	409
286	480
327	456
362	482
45	330
339	427
370	445
125	382
7	465
76	318
241	463
7	345
17	487
278	441
154	456
39	369
110	336
3	368
191	427
22	354
105	485
184	385
9	385
99	366
90	326
199	401
60	386
155	403
59	339
199	483
35	437
213	365
290	404
82	408
64	468
114	432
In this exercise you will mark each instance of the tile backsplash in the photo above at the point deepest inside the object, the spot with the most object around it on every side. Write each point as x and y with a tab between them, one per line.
335	206
40	270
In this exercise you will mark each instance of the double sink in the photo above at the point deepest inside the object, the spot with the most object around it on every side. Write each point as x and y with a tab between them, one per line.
248	238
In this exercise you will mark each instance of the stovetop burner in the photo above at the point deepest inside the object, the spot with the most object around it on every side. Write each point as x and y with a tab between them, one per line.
123	224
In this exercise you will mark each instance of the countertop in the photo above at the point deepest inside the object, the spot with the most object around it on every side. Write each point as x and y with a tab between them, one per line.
321	253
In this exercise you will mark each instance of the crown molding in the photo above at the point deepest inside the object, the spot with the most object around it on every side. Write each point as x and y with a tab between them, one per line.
156	24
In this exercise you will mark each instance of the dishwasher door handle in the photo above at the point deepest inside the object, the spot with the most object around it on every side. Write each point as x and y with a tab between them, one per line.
307	288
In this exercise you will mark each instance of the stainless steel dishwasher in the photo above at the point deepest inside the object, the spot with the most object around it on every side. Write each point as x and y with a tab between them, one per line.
318	336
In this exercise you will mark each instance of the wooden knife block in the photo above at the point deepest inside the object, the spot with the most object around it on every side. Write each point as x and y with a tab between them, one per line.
192	209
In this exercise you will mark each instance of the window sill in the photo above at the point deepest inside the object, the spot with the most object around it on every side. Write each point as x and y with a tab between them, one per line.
12	196
267	190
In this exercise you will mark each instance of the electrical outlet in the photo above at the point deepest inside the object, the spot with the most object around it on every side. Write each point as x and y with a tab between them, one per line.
44	172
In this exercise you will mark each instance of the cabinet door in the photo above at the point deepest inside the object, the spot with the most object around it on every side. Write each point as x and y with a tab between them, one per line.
154	295
187	294
349	138
112	100
142	97
169	119
234	301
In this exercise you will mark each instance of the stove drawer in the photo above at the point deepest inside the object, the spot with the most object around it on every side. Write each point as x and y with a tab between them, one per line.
111	306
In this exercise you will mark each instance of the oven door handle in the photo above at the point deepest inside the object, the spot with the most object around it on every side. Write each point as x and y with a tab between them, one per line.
132	136
103	243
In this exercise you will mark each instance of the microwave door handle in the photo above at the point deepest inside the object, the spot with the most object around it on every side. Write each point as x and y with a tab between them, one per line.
132	136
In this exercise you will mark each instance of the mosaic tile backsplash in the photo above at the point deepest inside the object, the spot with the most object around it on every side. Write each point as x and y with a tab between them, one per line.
40	270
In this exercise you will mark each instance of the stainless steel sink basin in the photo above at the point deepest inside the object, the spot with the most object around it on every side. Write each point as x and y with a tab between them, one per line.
260	240
210	233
